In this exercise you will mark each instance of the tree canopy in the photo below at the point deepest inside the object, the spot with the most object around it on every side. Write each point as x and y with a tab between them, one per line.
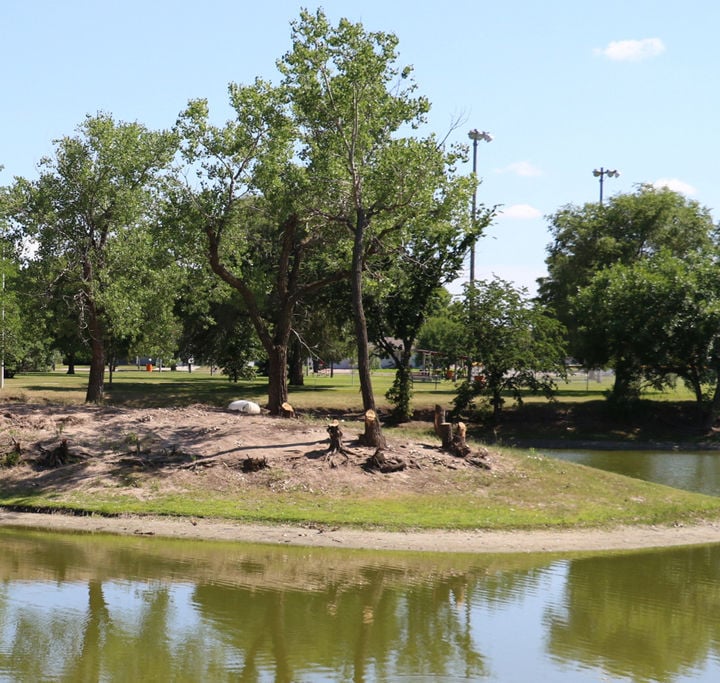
354	105
628	231
513	342
88	213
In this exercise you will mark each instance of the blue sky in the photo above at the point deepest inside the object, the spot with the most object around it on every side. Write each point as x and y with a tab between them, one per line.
564	87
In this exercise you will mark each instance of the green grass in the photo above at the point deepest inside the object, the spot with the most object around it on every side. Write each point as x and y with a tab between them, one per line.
140	388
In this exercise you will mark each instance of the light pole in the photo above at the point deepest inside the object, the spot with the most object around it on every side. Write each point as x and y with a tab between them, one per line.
601	173
475	135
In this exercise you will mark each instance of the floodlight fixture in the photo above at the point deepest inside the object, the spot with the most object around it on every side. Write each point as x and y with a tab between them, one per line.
483	135
601	173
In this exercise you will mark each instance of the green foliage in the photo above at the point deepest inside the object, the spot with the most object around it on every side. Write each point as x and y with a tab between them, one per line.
249	202
386	192
444	334
516	344
405	283
654	320
89	212
629	229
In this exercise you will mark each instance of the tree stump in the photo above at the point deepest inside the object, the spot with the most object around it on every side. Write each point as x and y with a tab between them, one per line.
443	429
377	462
336	443
336	439
439	419
373	435
458	445
254	464
455	443
286	410
57	456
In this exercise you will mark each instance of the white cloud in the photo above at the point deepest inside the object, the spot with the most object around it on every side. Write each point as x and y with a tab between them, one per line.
632	50
521	168
675	185
521	212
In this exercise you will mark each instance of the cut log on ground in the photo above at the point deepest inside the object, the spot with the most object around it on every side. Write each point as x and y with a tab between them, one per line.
478	461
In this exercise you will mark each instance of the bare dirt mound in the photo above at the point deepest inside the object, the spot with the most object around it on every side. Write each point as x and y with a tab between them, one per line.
87	448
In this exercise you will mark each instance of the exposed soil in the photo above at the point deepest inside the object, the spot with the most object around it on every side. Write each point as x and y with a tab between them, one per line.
92	449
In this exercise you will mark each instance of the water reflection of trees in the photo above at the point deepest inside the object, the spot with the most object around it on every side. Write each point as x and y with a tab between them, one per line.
647	616
374	629
137	610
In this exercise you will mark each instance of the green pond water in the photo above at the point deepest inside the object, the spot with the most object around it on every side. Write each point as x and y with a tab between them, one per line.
697	471
104	608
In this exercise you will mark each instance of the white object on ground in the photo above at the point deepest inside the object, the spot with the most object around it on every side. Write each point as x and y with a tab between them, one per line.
247	407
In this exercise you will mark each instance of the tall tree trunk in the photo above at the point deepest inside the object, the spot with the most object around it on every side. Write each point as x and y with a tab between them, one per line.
296	362
626	387
96	380
71	363
277	378
374	436
714	409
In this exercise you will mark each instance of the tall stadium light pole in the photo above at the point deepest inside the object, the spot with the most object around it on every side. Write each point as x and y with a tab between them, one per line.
601	173
475	135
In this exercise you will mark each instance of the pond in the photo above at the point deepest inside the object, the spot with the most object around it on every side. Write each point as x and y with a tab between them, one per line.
105	608
697	471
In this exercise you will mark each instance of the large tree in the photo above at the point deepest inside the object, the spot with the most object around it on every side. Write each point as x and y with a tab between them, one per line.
656	319
245	193
89	212
626	229
405	285
354	106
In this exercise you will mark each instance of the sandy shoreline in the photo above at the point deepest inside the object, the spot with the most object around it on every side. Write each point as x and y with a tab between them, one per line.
537	541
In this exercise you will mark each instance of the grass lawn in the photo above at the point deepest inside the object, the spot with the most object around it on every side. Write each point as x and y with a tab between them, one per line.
133	387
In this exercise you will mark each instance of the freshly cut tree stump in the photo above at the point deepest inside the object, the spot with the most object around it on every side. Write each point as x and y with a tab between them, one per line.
373	435
454	440
286	410
458	445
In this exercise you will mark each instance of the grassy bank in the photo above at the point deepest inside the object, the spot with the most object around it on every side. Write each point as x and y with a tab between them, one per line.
527	491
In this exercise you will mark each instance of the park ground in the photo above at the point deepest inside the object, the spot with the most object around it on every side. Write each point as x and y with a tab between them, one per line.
183	470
